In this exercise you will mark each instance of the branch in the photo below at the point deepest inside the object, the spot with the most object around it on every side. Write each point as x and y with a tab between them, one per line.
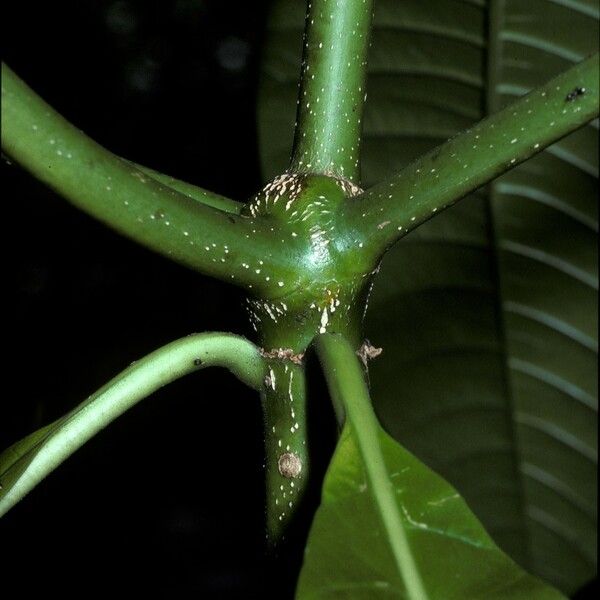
389	210
347	387
193	191
332	91
226	246
26	463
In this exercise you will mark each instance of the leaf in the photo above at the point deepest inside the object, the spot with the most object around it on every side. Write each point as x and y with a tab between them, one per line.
348	555
488	313
389	527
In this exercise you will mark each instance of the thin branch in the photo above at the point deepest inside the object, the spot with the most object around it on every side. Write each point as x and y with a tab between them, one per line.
374	220
226	246
344	375
25	464
332	91
193	191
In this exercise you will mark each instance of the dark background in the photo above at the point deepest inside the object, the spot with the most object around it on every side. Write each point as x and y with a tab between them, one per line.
150	505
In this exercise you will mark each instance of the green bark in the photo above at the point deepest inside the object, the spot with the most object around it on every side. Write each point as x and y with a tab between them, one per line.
214	242
332	90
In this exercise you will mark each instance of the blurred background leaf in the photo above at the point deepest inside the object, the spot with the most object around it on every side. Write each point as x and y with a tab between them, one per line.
488	313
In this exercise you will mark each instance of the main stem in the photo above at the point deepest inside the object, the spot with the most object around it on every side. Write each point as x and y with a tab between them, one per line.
286	331
332	295
284	399
332	90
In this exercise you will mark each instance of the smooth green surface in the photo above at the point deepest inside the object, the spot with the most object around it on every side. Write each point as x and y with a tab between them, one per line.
24	464
201	195
353	548
332	89
451	308
284	400
212	241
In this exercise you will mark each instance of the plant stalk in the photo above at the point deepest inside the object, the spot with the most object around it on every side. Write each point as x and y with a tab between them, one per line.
348	388
217	243
332	89
29	461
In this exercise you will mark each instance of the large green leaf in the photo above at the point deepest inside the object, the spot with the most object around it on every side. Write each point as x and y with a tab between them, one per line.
488	313
348	553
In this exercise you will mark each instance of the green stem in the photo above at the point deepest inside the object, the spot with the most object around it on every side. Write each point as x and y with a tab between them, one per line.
26	463
389	210
226	246
286	452
193	191
286	329
332	90
347	387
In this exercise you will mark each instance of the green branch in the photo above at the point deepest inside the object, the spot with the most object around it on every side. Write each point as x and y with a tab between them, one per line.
376	219
347	387
193	191
26	463
226	246
332	90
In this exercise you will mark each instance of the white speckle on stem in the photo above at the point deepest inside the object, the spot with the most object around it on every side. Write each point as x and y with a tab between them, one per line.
324	321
